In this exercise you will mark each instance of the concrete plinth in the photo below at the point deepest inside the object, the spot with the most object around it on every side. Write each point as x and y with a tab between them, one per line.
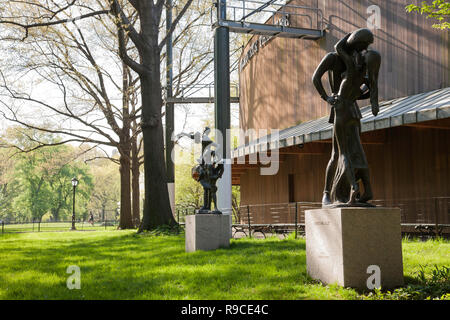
346	245
207	232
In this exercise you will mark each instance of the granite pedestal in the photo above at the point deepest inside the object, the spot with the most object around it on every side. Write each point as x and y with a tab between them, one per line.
343	243
207	232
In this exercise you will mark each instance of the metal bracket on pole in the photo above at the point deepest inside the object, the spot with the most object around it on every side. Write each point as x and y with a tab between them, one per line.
271	18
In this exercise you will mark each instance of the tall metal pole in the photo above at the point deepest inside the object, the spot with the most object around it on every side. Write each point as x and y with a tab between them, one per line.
222	105
73	210
170	117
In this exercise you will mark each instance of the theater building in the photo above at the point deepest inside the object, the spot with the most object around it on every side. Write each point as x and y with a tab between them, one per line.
407	144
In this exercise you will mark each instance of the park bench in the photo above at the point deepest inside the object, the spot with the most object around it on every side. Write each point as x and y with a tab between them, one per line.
428	229
271	219
266	229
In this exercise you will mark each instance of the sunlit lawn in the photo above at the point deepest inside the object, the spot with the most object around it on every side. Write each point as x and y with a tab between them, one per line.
123	265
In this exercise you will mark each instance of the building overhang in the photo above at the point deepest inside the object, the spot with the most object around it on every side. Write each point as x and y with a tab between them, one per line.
410	110
426	110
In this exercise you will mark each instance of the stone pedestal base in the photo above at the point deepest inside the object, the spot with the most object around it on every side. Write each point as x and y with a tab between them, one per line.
348	246
207	232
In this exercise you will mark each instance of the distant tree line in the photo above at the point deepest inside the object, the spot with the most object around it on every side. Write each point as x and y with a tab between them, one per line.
36	183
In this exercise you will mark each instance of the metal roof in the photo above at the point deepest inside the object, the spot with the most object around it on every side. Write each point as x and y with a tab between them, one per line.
426	106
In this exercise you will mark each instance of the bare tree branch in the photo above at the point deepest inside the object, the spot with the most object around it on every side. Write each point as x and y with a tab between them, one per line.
52	23
123	24
175	23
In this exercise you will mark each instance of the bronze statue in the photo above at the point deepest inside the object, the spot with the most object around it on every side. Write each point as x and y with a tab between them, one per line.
208	171
353	75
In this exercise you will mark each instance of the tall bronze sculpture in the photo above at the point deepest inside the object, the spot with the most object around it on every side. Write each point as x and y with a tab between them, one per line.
208	171
353	75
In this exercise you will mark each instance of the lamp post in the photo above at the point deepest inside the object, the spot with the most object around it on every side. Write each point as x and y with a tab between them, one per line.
74	184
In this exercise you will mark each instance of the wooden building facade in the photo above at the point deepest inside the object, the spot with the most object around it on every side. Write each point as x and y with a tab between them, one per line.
409	163
276	90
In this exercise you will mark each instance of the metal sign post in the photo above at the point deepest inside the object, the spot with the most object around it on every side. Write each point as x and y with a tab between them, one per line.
170	117
222	106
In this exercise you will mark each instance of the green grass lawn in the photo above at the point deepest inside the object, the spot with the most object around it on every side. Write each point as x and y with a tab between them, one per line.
124	265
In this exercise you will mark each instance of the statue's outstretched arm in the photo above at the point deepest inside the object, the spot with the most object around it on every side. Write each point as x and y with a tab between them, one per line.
325	65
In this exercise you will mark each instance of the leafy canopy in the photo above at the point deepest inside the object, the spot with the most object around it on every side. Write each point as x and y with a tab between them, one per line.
39	180
438	10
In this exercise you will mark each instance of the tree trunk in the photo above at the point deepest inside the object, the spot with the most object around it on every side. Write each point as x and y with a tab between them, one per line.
56	211
157	209
126	216
126	219
135	183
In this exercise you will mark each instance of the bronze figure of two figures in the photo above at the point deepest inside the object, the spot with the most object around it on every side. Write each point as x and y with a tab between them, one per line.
353	75
207	172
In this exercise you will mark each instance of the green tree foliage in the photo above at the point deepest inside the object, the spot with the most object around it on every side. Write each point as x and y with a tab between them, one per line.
106	191
6	188
62	192
40	182
188	192
438	10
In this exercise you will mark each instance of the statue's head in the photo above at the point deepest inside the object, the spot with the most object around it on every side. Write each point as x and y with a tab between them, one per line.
360	39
